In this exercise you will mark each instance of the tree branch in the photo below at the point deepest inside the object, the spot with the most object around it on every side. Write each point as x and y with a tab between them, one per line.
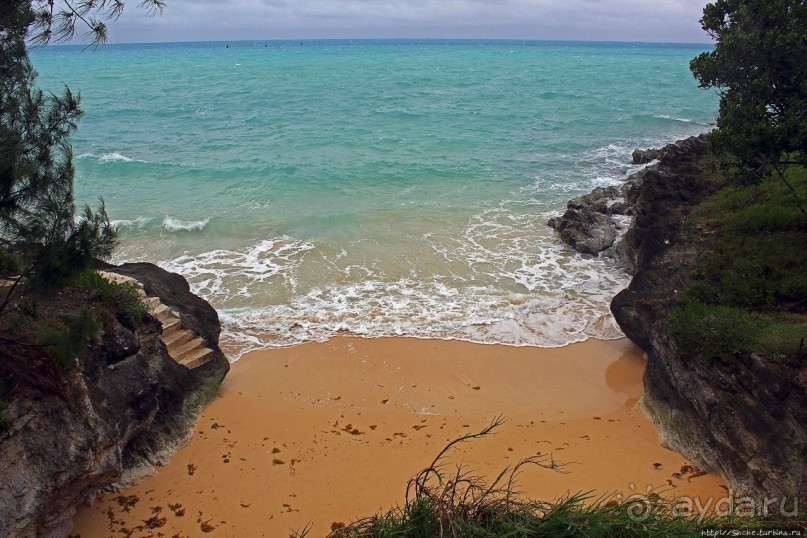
780	172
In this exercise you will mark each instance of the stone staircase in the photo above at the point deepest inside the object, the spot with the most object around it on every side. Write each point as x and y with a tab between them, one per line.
184	346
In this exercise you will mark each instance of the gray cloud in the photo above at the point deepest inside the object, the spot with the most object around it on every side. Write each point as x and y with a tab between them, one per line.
612	20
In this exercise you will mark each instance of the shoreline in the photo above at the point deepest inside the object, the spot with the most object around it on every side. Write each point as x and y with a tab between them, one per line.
230	353
329	432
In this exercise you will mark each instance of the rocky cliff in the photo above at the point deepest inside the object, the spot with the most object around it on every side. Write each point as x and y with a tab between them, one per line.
129	408
746	419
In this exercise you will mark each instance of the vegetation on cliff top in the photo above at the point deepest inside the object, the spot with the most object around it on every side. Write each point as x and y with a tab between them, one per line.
759	64
750	294
44	241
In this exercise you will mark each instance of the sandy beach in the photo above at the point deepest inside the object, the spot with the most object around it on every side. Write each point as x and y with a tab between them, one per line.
329	432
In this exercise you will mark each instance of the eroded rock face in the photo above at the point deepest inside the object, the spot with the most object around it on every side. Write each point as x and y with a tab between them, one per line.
745	420
585	230
587	225
130	409
643	156
657	195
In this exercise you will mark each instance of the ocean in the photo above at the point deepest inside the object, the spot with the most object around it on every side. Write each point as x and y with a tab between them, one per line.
376	188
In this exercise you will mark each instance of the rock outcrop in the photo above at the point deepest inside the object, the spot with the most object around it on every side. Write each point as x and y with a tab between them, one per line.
588	225
746	420
658	195
130	407
644	156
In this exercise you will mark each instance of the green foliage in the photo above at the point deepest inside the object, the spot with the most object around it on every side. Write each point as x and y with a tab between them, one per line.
767	206
784	337
763	272
567	517
760	65
37	210
713	331
570	517
65	345
760	257
9	264
39	224
91	237
119	297
59	21
750	292
38	219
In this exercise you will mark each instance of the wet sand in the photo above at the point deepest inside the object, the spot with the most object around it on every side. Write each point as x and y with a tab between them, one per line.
330	432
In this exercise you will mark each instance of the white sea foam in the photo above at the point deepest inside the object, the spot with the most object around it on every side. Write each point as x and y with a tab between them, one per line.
612	154
138	222
118	157
598	167
411	308
227	275
681	120
503	279
113	156
497	282
175	225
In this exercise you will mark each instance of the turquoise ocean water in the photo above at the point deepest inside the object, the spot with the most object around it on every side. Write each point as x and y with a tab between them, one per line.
373	187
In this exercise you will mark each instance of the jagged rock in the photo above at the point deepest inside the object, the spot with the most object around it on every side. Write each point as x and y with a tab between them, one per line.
587	231
643	156
655	194
130	408
596	200
621	208
586	226
747	420
118	344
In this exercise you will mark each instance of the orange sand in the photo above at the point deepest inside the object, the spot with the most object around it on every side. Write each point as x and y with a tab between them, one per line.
332	431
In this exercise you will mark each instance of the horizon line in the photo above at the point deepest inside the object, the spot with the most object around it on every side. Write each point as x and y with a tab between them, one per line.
315	39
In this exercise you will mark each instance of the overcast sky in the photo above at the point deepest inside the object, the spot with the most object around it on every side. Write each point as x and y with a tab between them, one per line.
597	20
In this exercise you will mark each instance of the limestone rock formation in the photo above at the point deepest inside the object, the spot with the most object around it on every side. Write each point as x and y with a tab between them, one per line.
130	408
587	225
644	156
746	420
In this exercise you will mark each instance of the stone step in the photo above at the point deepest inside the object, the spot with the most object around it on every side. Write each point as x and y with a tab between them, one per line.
183	345
121	279
162	313
196	358
177	339
186	347
170	326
